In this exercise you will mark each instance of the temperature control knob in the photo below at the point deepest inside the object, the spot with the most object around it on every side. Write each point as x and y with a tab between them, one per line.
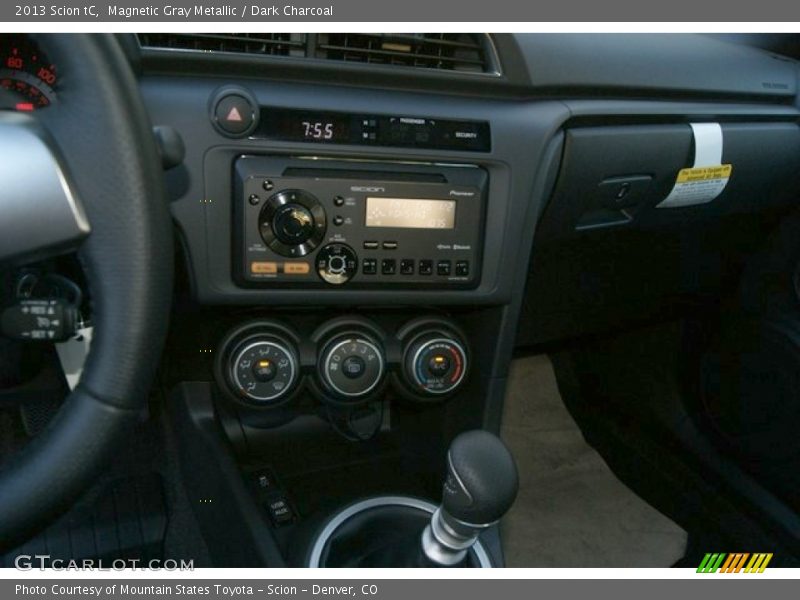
263	370
351	366
435	363
337	263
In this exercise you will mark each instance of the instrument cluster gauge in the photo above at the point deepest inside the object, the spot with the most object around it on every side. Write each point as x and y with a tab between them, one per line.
27	77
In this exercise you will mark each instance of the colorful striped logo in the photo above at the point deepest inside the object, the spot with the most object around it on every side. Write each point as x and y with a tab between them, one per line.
734	563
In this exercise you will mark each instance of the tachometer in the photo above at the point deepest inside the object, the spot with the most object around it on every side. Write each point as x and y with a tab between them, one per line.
27	77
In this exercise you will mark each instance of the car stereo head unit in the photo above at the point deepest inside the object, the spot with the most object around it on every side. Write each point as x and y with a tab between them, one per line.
322	223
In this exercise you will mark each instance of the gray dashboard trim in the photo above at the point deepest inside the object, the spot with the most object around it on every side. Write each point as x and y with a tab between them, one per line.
654	63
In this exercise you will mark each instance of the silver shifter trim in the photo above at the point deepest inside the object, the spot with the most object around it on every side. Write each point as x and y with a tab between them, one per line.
346	513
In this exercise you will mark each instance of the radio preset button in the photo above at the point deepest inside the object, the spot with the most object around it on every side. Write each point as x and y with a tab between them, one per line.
369	266
337	263
390	245
407	266
462	268
371	245
426	267
443	268
388	266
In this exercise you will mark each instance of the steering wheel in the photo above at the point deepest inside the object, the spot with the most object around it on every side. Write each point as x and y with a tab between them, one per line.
85	174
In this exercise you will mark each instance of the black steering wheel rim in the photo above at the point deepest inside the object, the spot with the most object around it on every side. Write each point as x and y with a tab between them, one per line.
101	131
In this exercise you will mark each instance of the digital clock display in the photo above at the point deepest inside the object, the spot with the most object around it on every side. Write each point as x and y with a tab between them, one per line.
411	213
314	127
318	130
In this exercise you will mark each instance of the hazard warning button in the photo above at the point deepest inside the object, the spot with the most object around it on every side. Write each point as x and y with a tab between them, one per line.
234	114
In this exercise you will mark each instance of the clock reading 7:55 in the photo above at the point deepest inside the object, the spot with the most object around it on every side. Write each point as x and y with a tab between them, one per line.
318	131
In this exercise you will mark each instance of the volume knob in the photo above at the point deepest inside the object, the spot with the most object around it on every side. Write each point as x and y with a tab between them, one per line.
293	224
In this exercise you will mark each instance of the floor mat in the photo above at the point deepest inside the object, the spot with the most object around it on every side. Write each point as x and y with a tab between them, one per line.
571	510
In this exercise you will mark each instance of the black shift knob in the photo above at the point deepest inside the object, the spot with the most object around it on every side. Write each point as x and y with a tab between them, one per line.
482	479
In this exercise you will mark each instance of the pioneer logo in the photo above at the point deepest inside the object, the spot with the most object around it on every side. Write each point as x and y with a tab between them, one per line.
366	188
458	193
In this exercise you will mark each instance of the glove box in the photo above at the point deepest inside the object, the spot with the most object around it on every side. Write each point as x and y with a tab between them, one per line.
615	176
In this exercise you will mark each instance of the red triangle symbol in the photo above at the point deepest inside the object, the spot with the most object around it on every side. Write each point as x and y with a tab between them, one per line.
234	115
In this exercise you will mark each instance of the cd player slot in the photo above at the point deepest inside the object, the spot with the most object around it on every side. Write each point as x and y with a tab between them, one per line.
360	174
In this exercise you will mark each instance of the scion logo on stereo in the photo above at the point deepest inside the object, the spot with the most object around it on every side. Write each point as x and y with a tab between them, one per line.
364	188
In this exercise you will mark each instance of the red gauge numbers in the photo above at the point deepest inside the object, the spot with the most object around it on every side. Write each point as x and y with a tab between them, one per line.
27	78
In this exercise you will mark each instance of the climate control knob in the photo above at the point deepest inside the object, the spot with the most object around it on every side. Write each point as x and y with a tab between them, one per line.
351	366
435	363
263	370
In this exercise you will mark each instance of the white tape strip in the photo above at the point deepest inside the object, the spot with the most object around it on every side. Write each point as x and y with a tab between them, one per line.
707	144
706	178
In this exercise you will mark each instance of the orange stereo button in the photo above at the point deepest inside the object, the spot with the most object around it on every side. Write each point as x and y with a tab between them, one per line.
296	268
264	268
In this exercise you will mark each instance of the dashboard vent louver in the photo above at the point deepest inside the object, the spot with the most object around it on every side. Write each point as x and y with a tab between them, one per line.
463	52
269	44
459	52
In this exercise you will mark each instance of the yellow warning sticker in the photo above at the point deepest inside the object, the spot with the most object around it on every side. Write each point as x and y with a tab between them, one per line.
697	185
704	173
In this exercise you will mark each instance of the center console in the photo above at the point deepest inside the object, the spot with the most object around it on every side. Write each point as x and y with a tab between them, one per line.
353	272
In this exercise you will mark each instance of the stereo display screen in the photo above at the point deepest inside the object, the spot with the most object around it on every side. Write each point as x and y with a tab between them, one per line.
411	213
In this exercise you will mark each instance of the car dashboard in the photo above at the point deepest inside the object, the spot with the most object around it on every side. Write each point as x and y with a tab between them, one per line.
368	226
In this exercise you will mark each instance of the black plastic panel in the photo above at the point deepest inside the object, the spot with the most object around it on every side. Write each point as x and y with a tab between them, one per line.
599	161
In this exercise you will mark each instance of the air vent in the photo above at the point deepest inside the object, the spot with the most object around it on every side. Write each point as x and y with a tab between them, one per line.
464	52
461	52
270	44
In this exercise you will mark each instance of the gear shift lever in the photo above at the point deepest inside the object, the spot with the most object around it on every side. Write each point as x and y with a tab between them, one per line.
480	487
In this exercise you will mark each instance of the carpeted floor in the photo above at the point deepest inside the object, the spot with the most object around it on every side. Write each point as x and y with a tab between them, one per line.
571	510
